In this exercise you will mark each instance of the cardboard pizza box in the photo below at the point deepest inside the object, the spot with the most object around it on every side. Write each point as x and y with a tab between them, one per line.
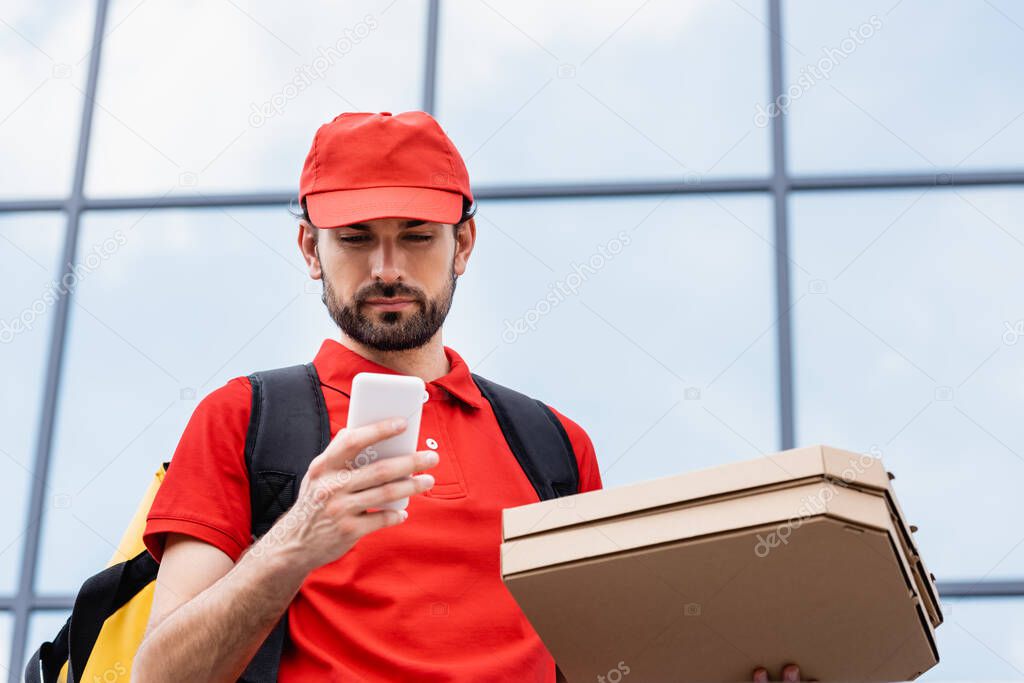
799	556
857	470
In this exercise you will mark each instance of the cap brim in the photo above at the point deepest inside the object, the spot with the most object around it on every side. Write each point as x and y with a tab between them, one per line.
345	207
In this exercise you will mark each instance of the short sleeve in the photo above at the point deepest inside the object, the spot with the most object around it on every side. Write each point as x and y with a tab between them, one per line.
205	491
586	458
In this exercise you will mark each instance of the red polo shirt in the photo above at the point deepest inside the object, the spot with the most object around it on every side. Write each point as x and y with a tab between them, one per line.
420	601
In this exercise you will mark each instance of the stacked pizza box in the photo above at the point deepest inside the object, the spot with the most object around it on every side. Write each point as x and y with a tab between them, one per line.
801	556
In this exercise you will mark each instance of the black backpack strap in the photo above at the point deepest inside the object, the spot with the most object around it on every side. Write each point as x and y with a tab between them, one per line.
98	598
536	437
288	427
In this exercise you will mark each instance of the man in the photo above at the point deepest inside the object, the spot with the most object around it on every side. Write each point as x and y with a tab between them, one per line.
381	596
370	596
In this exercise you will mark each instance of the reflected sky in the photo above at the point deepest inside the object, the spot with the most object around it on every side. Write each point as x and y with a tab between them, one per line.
663	351
235	106
934	84
30	246
902	302
610	93
45	48
980	640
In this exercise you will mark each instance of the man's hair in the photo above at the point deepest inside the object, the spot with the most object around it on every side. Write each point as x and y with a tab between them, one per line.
468	211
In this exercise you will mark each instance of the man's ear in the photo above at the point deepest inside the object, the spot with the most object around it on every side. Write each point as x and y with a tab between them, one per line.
465	239
310	248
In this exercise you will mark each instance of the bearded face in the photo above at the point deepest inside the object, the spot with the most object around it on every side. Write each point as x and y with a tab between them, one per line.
381	327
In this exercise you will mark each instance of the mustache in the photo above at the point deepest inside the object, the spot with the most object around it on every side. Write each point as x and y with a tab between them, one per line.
389	291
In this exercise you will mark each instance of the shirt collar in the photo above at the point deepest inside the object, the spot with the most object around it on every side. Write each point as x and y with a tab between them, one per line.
337	365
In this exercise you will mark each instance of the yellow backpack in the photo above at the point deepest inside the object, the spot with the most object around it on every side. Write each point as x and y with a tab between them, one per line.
110	613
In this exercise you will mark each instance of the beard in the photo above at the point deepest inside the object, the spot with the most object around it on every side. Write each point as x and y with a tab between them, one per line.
389	330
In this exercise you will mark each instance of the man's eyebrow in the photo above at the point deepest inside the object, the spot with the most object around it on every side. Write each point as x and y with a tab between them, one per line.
408	224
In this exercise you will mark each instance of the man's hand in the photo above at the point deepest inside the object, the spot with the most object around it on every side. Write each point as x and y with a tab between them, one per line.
330	511
790	674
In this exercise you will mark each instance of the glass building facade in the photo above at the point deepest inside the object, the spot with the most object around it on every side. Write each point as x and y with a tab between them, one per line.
707	231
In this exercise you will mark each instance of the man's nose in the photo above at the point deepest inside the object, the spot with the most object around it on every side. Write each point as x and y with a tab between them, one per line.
386	264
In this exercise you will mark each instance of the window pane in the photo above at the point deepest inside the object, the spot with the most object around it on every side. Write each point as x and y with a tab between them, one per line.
647	320
30	246
575	91
882	85
235	107
981	640
175	304
46	60
908	317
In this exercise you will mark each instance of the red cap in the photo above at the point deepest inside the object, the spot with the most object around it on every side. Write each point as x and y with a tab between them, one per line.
365	165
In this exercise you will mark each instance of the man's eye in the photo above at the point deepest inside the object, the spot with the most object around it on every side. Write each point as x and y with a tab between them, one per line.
354	239
420	238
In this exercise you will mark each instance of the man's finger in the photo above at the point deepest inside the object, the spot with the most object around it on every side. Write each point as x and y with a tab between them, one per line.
389	469
348	444
368	522
376	496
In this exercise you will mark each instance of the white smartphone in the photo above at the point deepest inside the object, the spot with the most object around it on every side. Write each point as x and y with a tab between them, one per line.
378	396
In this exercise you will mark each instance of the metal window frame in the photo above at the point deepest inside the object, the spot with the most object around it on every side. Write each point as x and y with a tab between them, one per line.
779	185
